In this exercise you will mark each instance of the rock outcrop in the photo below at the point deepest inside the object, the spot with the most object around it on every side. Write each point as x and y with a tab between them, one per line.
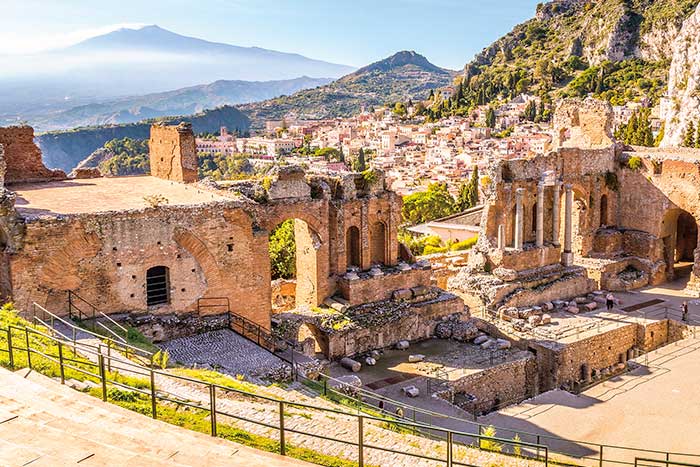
682	105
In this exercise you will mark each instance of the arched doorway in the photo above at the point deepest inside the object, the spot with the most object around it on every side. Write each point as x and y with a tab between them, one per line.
604	221
157	286
293	248
377	236
352	247
686	244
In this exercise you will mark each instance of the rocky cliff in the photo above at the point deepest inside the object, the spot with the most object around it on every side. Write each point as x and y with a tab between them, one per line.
681	106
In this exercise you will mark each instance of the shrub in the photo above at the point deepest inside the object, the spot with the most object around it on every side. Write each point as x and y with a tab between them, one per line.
611	181
487	444
121	395
155	200
161	358
431	250
464	244
517	448
634	163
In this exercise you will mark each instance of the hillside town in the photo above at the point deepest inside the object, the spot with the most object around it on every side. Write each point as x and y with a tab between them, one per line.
412	152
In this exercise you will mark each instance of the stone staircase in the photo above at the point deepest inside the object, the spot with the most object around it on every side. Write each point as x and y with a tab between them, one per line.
45	424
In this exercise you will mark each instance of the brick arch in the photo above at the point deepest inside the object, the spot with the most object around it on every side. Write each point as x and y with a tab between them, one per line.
204	258
379	244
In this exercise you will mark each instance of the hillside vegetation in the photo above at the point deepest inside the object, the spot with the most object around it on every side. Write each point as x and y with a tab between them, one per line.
65	149
618	50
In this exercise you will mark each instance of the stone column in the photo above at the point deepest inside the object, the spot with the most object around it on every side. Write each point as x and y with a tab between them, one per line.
518	243
555	214
501	237
567	257
539	227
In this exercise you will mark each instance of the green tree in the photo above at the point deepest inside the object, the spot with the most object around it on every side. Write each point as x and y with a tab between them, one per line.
282	248
697	137
469	193
490	118
531	111
329	154
434	203
689	138
359	164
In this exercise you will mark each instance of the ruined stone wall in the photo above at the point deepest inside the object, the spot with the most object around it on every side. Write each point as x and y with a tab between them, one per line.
173	153
377	288
210	251
22	158
418	325
509	382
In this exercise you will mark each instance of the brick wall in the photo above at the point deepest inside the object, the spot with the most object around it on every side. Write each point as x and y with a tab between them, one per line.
22	158
173	153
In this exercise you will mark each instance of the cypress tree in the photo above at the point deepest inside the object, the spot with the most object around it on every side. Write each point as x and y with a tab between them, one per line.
697	138
689	138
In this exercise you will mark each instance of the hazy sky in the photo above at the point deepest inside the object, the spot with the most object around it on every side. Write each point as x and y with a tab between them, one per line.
352	32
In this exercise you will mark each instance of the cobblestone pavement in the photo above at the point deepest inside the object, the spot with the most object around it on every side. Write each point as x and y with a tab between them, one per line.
225	351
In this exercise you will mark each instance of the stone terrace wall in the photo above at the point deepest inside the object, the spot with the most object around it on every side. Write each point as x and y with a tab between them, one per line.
509	382
416	326
173	153
375	289
22	157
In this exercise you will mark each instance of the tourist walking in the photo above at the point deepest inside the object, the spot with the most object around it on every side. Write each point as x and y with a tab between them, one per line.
610	301
684	311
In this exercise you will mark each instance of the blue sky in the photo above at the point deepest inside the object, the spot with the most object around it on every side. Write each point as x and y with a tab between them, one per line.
353	32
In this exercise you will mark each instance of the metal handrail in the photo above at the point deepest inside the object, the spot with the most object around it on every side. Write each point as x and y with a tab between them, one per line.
104	379
126	331
116	336
417	425
666	462
94	334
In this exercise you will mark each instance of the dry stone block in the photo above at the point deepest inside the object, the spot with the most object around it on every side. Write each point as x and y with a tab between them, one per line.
480	340
411	391
402	345
350	364
416	358
465	331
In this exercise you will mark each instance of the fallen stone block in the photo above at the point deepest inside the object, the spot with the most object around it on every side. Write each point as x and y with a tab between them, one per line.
411	391
503	344
345	383
402	345
488	344
547	306
416	358
546	319
480	339
375	354
572	309
350	364
420	291
369	361
534	320
444	330
590	306
402	294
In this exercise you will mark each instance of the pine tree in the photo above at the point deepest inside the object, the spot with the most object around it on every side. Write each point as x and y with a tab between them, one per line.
689	138
697	138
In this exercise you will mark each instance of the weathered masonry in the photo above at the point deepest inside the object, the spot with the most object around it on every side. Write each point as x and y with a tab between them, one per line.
168	244
591	214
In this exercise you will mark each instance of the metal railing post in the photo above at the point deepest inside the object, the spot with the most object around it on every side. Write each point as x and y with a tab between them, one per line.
153	395
70	305
60	362
283	448
360	441
10	349
538	446
546	457
600	460
212	408
449	449
29	352
109	356
101	362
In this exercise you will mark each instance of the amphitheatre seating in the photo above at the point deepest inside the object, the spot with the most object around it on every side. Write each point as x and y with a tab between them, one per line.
48	424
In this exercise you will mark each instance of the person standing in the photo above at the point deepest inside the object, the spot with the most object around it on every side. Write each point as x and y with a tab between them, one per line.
610	301
684	311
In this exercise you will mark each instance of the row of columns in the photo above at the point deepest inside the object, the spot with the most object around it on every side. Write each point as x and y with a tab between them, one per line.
567	254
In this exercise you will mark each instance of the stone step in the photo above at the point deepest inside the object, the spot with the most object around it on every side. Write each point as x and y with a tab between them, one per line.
56	425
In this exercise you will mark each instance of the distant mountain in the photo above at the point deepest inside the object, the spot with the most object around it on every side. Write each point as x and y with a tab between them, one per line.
405	75
139	61
183	101
66	149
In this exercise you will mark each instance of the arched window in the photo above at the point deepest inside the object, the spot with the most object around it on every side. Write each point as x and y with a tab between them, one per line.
378	243
157	286
604	210
352	246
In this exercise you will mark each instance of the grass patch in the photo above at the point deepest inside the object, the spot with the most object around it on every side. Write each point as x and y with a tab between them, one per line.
217	378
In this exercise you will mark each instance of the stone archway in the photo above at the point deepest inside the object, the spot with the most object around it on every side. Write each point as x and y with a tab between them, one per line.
378	244
300	255
685	245
352	247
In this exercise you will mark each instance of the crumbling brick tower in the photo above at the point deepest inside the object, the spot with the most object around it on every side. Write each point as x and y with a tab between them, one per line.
173	152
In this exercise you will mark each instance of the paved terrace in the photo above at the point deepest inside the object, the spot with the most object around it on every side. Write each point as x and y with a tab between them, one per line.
80	196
